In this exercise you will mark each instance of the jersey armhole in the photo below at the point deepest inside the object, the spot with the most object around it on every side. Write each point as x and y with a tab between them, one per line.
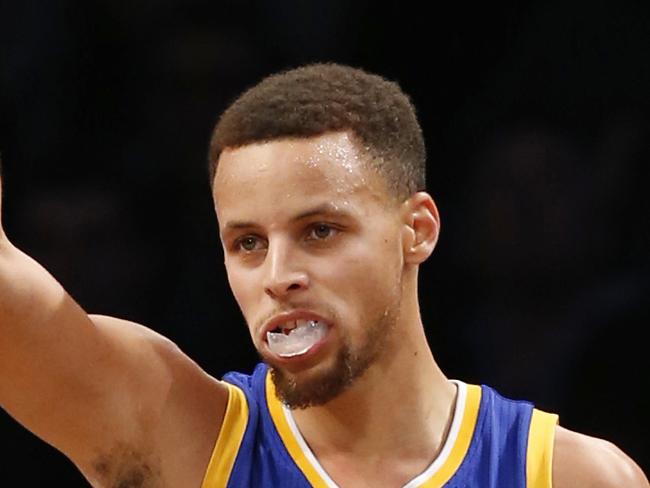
539	454
229	439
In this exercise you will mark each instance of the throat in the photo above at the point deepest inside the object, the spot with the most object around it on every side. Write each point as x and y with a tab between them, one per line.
365	420
388	412
382	464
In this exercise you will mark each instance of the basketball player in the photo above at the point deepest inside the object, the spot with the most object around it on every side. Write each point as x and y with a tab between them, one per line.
318	185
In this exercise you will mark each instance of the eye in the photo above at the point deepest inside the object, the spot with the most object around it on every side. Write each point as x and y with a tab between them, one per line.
321	231
248	243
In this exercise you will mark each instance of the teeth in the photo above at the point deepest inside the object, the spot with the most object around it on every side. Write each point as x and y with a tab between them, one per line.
288	327
296	340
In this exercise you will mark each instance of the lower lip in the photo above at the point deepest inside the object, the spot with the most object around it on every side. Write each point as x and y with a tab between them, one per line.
298	359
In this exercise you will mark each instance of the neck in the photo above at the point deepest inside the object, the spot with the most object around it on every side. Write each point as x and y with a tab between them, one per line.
401	405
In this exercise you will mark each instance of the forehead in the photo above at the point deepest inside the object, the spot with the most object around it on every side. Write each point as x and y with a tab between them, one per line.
294	173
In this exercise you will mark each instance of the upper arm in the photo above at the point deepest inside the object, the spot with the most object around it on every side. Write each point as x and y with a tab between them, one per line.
94	386
59	369
583	461
173	417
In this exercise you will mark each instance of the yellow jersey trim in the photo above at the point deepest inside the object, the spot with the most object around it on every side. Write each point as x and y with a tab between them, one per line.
229	440
463	441
437	479
539	455
288	439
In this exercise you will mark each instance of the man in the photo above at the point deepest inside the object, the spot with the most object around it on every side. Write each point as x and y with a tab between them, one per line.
318	178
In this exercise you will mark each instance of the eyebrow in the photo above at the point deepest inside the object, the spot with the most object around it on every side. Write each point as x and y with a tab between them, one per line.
324	209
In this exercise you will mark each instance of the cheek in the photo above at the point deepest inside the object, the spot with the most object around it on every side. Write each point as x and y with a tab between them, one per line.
368	274
240	282
243	289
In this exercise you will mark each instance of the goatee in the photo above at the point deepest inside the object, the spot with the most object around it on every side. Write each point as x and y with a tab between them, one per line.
348	366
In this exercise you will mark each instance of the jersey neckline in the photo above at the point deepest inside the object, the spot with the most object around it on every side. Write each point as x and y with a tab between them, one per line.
440	471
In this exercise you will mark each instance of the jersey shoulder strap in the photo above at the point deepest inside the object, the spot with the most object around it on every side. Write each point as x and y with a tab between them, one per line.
539	455
229	440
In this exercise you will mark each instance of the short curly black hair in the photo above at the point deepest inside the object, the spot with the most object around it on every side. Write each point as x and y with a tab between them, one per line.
326	97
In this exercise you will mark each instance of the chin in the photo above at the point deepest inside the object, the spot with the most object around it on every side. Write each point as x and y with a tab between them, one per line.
320	383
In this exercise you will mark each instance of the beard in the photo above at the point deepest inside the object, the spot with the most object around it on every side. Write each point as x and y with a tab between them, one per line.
349	365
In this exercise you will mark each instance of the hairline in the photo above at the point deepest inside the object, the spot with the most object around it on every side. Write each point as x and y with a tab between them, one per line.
367	155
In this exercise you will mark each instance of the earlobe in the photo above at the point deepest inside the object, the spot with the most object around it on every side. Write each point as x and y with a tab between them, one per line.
422	227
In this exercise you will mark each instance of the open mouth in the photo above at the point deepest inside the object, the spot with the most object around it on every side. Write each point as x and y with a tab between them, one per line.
295	337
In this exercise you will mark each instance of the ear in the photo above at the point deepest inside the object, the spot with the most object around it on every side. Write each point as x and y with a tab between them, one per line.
421	227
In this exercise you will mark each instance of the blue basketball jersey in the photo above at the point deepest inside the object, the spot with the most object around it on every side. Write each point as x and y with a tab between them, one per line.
493	442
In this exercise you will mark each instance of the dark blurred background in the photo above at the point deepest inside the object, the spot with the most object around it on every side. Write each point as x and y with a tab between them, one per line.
537	121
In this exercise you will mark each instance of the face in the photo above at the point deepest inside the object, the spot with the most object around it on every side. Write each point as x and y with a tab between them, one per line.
313	251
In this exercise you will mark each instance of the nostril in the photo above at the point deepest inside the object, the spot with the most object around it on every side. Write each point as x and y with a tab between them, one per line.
278	287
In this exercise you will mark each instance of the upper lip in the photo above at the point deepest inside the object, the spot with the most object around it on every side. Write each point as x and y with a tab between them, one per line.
281	318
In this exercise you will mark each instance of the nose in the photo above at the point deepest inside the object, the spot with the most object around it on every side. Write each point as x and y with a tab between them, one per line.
284	277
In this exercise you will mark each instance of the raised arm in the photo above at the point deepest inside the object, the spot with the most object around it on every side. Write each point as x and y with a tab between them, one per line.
115	397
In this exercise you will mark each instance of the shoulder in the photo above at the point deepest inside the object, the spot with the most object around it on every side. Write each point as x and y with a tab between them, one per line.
580	460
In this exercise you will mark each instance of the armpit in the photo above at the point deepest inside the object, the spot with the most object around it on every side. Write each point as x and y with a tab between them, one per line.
124	467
